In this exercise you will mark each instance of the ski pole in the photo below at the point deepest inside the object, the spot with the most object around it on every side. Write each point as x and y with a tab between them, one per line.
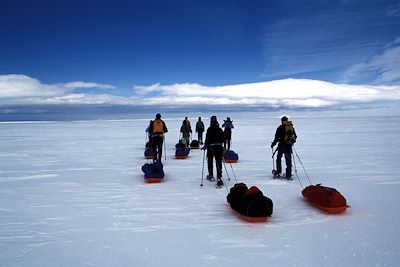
202	170
234	175
295	171
273	159
227	175
308	177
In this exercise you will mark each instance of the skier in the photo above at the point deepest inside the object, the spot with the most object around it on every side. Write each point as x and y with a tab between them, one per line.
157	130
213	144
286	136
186	130
200	130
228	126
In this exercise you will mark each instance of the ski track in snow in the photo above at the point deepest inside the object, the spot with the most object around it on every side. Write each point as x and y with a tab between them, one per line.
72	194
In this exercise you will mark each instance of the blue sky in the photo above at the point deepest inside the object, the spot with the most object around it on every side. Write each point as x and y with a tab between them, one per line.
120	46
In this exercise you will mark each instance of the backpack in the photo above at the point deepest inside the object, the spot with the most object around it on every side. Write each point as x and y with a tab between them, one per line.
153	170
236	194
194	144
249	202
180	144
200	126
290	136
182	152
158	127
230	155
255	204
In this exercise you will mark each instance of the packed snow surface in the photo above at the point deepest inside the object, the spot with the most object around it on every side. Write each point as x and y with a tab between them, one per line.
72	193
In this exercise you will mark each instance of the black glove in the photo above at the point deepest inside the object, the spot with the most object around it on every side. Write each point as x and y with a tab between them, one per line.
273	144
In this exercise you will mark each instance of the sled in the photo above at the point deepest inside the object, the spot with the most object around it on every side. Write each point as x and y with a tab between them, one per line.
330	210
230	156
318	195
148	153
251	219
182	152
153	172
152	180
181	157
249	204
194	144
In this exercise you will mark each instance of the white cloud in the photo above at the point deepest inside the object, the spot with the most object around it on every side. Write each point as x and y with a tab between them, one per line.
383	67
79	84
18	86
279	93
287	93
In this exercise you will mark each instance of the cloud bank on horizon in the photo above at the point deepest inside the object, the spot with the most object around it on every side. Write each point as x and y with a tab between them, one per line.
16	89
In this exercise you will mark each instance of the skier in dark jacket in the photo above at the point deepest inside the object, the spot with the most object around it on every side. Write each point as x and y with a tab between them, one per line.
186	131
213	144
285	136
228	126
200	130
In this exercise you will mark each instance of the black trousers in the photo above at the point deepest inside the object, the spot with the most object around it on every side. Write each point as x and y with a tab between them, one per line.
227	144
156	145
287	151
215	151
200	137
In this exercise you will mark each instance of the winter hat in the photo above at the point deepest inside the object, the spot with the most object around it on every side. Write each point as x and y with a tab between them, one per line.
213	119
158	116
284	118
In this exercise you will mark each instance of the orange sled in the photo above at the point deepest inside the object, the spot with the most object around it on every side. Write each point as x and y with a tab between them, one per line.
252	219
153	180
181	157
329	210
325	198
231	160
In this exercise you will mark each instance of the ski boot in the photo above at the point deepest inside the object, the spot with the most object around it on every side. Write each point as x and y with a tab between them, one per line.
220	183
210	178
276	174
288	177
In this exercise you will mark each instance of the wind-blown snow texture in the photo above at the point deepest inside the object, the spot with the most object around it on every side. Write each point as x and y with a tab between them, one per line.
72	194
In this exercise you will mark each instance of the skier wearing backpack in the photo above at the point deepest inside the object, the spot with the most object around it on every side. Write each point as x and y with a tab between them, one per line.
157	130
186	131
213	144
228	126
285	136
200	130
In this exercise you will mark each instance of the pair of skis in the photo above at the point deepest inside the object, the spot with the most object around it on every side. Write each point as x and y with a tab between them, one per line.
212	179
277	175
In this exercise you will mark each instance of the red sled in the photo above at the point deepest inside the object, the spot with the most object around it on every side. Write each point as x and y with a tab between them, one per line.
153	180
325	198
251	219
